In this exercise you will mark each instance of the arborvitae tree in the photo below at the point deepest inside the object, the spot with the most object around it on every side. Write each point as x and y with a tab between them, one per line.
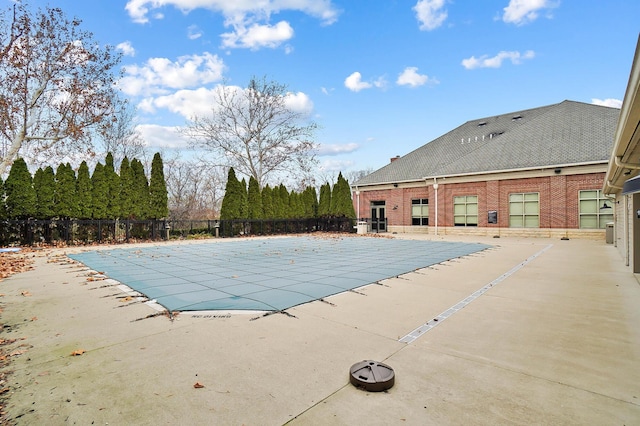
126	192
292	209
99	192
113	188
309	203
37	183
254	200
3	196
267	203
295	205
66	203
341	202
83	192
141	203
245	199
21	196
285	213
278	206
158	203
233	198
324	205
44	182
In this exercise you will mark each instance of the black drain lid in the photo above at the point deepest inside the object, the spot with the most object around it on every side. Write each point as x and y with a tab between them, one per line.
372	376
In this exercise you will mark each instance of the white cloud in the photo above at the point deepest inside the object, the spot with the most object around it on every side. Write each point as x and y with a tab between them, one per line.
354	82
321	9
430	13
336	165
199	102
609	102
485	61
410	77
337	149
162	136
248	19
194	32
187	103
299	102
257	36
380	83
126	48
160	74
524	11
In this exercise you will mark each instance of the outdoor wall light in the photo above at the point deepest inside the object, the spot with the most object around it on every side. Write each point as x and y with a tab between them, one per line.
395	207
557	171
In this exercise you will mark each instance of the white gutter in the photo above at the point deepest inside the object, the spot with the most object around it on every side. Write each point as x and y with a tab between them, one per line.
491	172
629	166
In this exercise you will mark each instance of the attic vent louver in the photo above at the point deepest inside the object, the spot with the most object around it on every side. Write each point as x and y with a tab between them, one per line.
516	117
482	123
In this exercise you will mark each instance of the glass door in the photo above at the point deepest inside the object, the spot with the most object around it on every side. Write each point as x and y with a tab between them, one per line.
378	218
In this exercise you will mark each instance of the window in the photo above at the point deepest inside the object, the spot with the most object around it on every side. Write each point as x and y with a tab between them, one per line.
420	211
465	210
595	209
524	210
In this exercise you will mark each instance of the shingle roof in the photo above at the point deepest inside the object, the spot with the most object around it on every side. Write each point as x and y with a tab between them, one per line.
560	134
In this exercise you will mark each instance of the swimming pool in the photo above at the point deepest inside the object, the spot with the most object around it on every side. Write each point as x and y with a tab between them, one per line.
265	274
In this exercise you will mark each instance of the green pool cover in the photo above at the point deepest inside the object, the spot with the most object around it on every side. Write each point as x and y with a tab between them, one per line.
265	274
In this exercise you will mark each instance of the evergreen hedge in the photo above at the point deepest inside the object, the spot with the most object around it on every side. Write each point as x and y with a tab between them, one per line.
103	195
280	203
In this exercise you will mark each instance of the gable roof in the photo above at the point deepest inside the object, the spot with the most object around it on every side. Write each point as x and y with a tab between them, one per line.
556	135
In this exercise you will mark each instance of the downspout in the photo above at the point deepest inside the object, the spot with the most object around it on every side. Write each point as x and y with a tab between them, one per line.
626	220
435	188
358	203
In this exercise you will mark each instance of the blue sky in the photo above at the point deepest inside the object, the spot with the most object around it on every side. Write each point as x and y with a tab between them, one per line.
381	77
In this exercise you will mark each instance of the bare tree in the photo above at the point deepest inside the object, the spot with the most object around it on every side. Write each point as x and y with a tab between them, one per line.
123	139
56	84
355	175
256	131
195	188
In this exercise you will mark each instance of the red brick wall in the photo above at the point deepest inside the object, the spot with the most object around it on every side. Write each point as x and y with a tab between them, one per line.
558	199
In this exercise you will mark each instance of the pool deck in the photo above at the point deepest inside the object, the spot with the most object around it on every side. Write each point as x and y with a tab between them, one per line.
554	339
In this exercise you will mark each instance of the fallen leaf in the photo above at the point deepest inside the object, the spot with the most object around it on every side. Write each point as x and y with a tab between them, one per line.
34	318
198	385
25	293
78	352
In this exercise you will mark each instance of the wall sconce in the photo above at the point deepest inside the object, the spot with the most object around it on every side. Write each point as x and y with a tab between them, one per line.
395	185
395	207
557	171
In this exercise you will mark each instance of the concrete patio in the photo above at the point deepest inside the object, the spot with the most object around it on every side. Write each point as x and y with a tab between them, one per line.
555	339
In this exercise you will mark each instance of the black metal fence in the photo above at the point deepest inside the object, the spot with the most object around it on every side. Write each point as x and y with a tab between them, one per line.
30	232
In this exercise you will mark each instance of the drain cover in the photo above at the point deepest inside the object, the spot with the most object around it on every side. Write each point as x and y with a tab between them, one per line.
372	376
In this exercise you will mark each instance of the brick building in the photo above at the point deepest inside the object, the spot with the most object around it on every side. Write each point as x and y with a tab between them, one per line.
537	172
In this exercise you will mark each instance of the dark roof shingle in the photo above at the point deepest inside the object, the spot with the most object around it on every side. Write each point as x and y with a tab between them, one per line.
560	134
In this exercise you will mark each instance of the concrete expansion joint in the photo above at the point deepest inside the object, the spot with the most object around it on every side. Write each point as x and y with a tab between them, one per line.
421	330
